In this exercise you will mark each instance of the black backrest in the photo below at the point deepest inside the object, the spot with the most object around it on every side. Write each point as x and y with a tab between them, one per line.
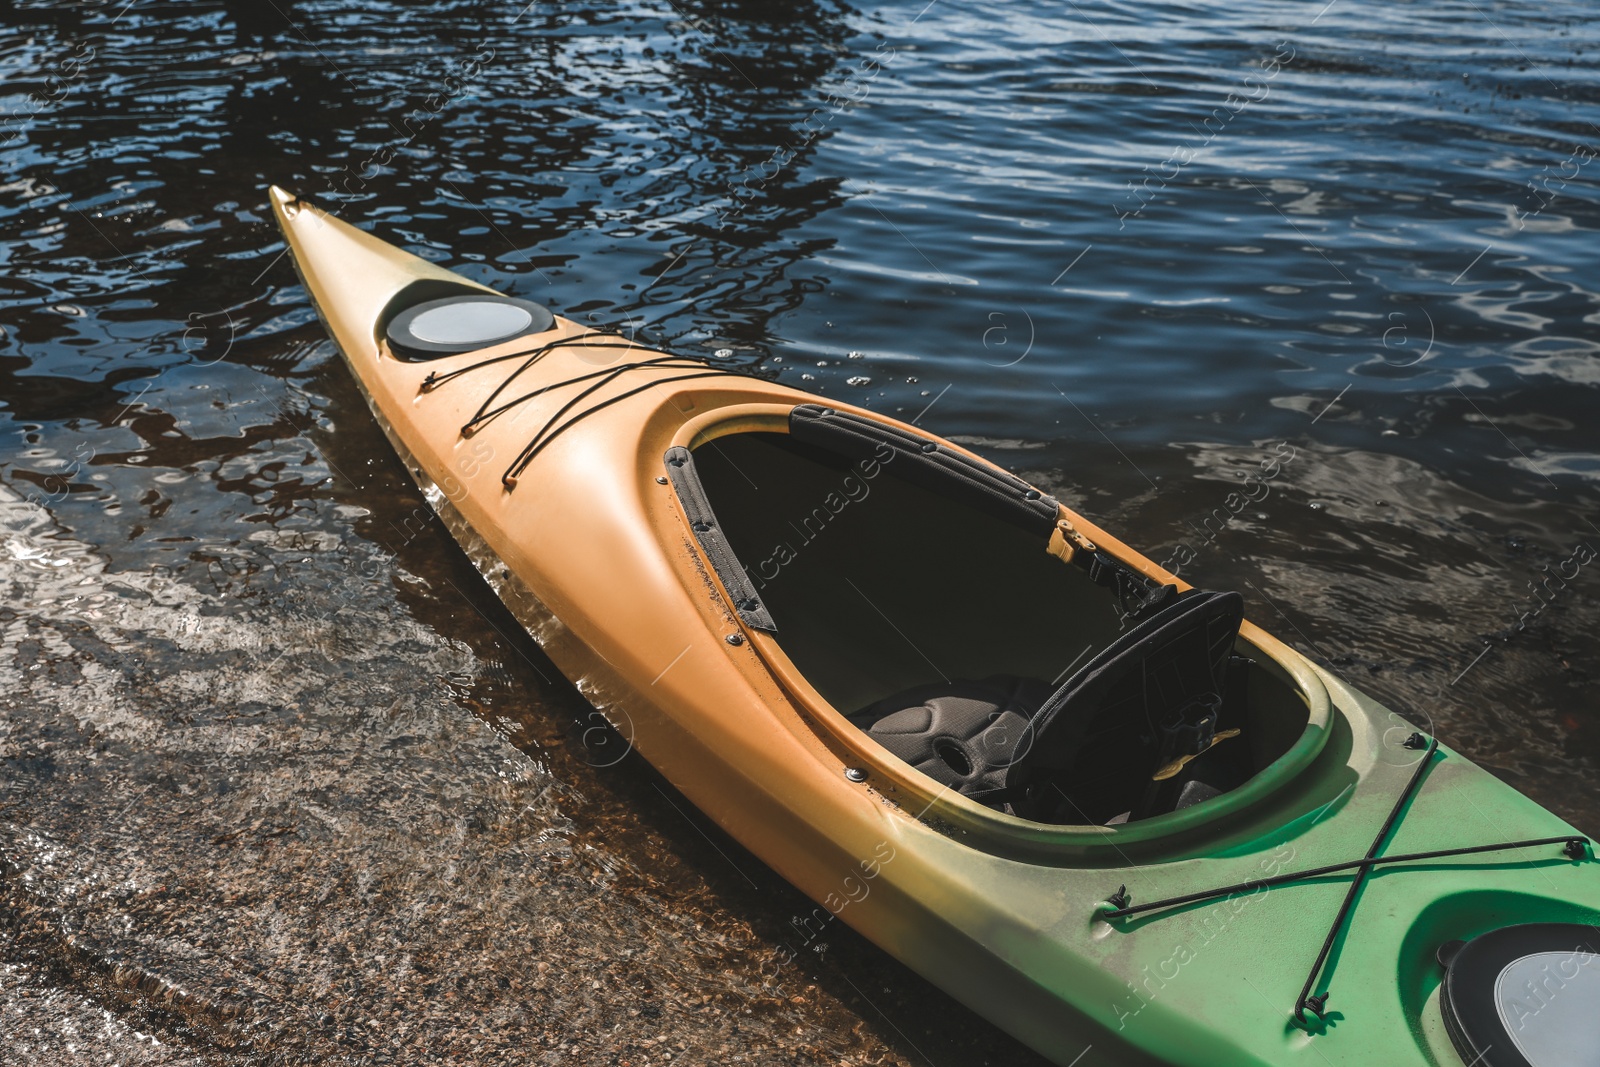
1177	655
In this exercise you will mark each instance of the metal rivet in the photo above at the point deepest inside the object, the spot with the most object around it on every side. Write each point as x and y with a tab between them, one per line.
1032	494
661	479
930	447
734	639
855	774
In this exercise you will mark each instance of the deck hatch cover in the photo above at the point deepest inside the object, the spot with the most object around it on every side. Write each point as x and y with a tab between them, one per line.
462	322
1524	996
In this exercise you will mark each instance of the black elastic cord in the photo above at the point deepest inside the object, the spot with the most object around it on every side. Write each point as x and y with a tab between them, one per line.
1122	908
547	434
1317	1004
533	358
485	415
435	378
1574	846
554	426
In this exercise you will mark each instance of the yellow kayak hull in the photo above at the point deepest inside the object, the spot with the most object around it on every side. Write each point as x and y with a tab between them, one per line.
589	546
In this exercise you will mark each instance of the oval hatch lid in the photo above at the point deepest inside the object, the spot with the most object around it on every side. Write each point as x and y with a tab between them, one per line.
464	323
1526	996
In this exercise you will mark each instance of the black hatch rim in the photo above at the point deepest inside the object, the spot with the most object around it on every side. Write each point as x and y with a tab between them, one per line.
464	322
1468	997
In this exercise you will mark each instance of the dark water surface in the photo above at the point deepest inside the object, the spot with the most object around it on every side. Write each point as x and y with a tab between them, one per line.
279	781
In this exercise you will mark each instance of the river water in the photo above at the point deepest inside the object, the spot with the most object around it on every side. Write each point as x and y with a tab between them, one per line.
280	781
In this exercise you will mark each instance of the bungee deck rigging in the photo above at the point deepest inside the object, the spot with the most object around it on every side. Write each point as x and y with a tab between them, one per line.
553	426
1122	908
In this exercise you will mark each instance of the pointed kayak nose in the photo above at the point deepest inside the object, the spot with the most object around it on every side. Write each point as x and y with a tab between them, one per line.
355	280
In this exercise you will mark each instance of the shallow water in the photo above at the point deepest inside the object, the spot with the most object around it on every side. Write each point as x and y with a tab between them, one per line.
281	781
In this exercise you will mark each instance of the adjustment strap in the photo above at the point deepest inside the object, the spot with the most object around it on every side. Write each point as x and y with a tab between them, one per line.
1136	593
1188	732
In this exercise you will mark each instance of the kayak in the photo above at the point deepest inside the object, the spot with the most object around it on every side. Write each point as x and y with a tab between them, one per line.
1091	802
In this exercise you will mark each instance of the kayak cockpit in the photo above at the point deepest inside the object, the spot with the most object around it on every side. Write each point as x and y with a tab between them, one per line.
928	600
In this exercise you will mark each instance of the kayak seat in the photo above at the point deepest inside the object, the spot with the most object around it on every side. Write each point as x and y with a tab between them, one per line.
962	733
1125	735
1133	733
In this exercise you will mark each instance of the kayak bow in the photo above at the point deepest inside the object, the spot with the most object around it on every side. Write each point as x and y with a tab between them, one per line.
1000	743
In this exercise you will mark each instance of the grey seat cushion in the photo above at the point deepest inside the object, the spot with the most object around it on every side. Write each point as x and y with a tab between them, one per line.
963	734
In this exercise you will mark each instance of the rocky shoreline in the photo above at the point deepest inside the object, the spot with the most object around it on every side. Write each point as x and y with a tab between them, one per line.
267	831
